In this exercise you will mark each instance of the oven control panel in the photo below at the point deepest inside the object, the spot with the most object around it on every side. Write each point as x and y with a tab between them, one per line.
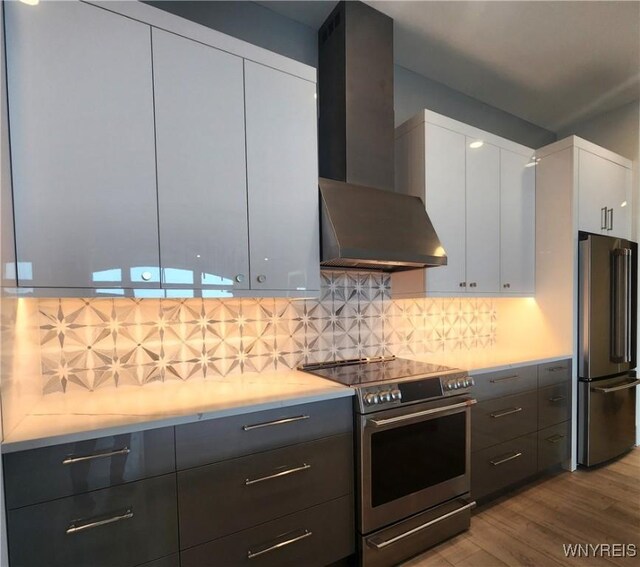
385	396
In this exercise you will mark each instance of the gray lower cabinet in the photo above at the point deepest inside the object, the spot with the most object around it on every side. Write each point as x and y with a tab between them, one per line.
80	93
123	525
73	468
217	440
316	536
521	426
168	561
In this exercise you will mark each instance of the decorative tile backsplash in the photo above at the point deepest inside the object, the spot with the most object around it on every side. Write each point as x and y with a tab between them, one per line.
97	343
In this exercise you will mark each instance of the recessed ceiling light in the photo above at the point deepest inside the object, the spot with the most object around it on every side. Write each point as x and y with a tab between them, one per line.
31	2
476	144
623	204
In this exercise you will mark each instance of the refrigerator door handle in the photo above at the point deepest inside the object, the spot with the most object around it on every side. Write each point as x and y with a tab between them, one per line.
621	305
625	386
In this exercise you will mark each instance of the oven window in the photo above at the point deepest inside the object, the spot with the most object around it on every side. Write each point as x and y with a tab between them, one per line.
410	458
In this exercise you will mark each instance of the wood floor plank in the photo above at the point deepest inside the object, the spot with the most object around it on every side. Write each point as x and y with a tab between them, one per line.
529	528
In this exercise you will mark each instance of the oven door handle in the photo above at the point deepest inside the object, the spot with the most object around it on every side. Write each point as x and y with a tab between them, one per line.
385	543
407	417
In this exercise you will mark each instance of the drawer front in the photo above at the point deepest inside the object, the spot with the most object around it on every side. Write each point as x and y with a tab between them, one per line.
124	525
317	536
505	382
168	561
43	474
554	404
226	438
496	421
220	499
554	445
554	373
502	465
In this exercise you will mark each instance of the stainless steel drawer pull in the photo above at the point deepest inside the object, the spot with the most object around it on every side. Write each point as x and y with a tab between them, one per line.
253	554
556	368
557	399
556	438
506	459
286	472
504	378
505	412
82	525
387	421
387	542
276	422
624	386
71	459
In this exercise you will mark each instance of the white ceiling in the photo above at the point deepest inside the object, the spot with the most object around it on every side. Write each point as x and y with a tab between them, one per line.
548	62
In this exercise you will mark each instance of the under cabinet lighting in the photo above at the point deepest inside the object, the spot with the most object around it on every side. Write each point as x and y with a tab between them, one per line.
476	144
31	2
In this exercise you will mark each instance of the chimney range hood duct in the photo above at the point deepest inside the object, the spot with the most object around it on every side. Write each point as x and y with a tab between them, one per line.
364	223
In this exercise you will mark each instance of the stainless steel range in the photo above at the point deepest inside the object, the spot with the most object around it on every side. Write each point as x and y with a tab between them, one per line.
413	453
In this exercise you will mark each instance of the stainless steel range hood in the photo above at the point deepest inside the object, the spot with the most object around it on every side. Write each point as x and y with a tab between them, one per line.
364	223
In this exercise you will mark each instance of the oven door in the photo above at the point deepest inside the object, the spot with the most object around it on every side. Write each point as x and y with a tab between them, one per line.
412	458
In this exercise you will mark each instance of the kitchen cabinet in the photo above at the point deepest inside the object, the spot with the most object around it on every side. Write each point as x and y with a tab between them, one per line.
480	196
520	426
604	195
517	223
202	190
282	178
163	155
82	147
482	218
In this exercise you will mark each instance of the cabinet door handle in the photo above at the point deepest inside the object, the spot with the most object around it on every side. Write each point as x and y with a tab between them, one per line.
557	399
276	422
555	438
289	541
603	218
556	368
505	412
71	459
286	472
504	378
81	525
506	459
610	223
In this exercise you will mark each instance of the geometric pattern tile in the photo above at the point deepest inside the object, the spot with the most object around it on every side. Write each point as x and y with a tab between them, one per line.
106	342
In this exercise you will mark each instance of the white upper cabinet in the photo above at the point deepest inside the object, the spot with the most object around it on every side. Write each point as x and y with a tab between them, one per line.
483	218
82	147
202	190
282	176
604	195
517	222
480	198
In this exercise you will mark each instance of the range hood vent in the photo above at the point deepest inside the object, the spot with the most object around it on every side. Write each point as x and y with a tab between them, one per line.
364	224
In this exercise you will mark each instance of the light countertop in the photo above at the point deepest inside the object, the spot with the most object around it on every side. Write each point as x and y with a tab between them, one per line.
75	416
482	361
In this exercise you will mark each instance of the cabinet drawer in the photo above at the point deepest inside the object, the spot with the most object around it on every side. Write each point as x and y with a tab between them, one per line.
502	465
124	525
43	474
317	536
554	445
554	373
505	382
496	421
220	439
220	499
554	404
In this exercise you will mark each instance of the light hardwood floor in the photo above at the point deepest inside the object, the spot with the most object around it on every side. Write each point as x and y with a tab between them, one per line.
529	527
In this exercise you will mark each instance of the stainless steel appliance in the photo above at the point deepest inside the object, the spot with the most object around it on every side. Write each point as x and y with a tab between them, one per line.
412	453
364	224
608	269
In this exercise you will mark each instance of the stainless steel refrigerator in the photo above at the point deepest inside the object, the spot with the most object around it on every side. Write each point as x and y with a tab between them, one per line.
608	274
